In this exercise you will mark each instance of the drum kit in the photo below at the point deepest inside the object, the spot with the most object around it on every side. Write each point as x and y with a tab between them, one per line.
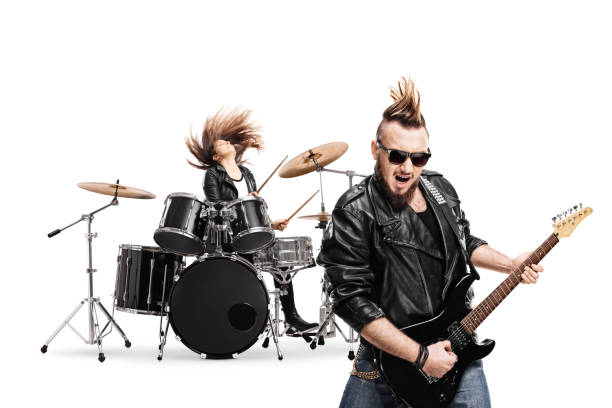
219	305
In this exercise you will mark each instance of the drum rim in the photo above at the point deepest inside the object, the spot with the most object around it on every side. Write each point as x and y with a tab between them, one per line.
138	311
247	198
251	230
180	232
146	248
234	258
300	238
187	195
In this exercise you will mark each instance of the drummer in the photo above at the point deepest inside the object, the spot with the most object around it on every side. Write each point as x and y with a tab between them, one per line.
226	136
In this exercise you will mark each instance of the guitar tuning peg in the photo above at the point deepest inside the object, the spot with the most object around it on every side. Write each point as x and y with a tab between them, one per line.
575	207
580	205
554	219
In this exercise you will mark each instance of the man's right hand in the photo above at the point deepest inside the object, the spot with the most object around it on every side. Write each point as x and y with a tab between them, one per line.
440	360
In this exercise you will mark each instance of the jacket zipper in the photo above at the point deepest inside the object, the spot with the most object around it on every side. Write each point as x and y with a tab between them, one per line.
421	273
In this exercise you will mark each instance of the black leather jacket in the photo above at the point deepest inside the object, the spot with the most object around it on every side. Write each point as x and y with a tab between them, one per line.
372	254
218	185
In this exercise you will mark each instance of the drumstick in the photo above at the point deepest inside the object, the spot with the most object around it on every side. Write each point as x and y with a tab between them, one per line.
270	176
302	206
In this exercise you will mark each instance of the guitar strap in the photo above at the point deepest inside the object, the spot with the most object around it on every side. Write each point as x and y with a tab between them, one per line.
435	194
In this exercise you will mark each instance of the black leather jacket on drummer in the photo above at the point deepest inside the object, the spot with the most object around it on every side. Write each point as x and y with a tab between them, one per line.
218	185
372	254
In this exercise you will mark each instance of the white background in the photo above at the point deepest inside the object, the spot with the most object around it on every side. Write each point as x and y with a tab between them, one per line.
517	100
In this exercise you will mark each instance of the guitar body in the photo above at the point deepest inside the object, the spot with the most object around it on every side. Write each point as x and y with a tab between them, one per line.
414	387
455	323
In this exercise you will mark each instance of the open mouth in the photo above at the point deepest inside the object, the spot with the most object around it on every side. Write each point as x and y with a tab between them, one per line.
401	181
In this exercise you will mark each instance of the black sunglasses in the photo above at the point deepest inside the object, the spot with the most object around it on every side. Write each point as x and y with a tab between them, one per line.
418	159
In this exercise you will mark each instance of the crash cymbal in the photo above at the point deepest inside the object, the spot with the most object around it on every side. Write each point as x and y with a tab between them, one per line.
303	163
321	217
122	191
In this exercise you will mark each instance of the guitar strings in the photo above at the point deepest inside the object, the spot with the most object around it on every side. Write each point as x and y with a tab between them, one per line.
485	303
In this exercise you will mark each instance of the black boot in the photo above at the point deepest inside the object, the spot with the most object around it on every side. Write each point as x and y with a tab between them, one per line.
296	324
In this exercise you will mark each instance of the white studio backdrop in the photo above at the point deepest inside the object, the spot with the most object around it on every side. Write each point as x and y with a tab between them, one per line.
516	97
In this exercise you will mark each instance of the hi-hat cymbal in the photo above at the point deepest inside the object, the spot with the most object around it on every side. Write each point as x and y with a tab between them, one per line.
321	217
122	191
303	163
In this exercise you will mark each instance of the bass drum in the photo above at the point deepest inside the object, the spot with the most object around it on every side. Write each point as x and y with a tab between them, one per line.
219	306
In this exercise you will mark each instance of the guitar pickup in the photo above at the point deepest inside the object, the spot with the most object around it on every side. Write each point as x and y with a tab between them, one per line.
458	336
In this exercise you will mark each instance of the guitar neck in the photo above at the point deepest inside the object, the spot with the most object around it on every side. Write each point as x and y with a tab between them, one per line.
484	309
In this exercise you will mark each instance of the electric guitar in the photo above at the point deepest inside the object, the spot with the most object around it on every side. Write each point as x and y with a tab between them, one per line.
456	323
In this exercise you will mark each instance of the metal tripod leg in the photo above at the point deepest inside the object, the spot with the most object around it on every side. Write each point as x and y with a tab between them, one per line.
112	321
275	338
329	319
162	345
65	323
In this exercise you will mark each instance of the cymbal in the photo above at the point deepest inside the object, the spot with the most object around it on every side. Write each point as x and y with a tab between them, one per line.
321	217
122	191
303	163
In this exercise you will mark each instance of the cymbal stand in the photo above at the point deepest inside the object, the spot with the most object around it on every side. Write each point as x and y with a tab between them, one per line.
320	169
328	325
95	334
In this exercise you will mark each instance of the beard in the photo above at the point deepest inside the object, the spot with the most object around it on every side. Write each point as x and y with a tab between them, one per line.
397	201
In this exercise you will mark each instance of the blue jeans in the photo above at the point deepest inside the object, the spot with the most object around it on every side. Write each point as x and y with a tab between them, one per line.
359	393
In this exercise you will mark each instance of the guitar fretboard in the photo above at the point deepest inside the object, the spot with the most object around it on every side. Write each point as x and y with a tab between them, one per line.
484	309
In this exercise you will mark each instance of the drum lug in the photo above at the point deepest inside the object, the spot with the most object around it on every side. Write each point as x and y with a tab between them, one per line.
177	338
167	308
177	277
202	356
259	276
235	355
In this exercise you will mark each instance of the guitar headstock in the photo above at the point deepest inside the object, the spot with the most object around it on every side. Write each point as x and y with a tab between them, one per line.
566	222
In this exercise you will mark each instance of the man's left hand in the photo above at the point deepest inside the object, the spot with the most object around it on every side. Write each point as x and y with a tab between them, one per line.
531	272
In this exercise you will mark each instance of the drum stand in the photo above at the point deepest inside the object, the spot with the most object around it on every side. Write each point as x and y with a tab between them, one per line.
273	325
95	334
328	325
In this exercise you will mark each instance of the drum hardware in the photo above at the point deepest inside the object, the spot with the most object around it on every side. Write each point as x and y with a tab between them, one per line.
219	219
328	324
316	159
277	322
95	334
319	158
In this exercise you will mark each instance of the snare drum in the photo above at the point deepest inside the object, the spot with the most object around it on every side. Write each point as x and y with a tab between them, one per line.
183	225
286	252
250	224
144	278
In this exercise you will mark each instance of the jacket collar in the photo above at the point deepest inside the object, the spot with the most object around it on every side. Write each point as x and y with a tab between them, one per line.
383	212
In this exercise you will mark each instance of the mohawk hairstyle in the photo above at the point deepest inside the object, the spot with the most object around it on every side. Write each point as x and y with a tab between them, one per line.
231	125
406	108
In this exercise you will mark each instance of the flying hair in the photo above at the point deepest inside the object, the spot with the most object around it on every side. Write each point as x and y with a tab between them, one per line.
406	107
232	125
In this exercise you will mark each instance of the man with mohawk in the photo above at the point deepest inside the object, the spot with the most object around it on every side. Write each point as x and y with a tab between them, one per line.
391	256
